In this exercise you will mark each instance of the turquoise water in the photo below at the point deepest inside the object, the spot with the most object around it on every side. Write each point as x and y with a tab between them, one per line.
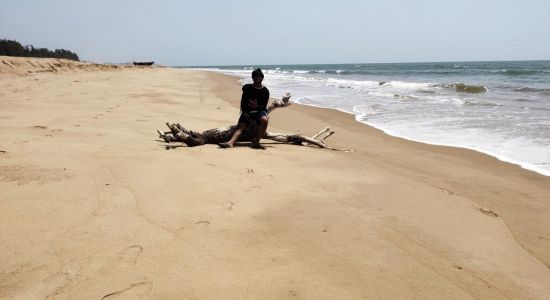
499	108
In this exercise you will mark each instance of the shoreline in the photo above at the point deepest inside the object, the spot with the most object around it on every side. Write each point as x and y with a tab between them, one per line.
523	165
94	204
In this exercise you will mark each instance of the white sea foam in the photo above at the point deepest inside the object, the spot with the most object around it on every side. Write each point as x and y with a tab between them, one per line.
410	85
364	110
533	157
352	83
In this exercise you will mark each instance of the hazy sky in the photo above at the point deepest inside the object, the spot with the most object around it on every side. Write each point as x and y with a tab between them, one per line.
257	32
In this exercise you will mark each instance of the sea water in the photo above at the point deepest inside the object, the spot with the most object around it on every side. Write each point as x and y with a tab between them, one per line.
499	108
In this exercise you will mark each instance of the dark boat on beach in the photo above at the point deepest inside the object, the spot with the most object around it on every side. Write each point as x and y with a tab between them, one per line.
143	63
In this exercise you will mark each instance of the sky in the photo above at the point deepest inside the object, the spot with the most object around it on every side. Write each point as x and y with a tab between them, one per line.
243	32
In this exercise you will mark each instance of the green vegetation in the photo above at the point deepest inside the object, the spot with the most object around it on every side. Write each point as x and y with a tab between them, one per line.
14	48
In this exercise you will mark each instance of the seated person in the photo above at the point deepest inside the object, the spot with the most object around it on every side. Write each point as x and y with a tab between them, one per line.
253	109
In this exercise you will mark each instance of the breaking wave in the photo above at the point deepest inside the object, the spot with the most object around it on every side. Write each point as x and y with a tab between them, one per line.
518	72
532	90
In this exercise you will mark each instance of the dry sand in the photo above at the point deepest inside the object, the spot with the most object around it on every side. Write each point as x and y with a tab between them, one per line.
27	66
93	206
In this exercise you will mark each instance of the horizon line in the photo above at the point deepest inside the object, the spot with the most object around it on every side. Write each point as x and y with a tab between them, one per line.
363	63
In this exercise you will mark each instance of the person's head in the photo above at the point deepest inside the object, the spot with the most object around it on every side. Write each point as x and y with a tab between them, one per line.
257	76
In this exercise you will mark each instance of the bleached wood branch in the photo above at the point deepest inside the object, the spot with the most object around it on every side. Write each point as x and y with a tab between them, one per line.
191	138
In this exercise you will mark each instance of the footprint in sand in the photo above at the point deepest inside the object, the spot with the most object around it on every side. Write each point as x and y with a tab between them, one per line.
130	254
2	152
53	131
203	222
229	205
40	127
250	170
446	191
22	175
140	290
457	267
488	212
257	187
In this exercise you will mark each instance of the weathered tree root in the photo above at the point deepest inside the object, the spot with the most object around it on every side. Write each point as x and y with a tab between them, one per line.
179	133
191	138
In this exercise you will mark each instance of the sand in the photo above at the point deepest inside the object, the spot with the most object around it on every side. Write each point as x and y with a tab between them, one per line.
94	206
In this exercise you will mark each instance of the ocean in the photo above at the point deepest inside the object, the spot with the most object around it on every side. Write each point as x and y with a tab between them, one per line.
498	108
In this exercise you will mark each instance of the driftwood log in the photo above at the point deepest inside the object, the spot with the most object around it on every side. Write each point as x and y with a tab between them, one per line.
178	133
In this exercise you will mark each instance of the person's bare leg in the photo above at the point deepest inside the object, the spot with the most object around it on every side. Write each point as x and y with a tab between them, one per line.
235	137
262	127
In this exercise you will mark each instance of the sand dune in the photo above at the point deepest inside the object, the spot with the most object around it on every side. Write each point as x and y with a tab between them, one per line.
94	206
25	65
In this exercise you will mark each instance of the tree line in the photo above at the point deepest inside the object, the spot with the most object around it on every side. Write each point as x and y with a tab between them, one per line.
14	48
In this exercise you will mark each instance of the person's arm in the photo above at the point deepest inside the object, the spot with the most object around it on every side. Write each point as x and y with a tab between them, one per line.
244	99
263	98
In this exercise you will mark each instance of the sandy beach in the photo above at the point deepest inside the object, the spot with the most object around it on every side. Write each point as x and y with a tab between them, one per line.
94	206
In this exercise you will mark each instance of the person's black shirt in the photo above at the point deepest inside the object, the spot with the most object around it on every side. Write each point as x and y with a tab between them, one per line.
250	93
